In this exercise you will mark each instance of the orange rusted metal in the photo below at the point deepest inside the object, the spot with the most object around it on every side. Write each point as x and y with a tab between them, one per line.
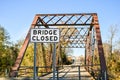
75	31
100	47
22	51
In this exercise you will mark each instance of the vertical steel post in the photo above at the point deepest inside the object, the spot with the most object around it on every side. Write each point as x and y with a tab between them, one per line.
85	57
79	72
54	61
92	50
36	71
34	77
58	73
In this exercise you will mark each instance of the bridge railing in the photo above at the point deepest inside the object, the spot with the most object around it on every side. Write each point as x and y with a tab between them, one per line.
43	71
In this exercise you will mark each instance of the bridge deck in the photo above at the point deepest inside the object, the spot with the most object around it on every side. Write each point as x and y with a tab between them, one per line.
69	73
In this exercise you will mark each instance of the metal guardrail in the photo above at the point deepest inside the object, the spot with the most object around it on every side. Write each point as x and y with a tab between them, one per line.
24	70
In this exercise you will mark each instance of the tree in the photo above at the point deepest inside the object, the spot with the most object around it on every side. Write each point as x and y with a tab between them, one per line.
3	48
8	51
112	33
69	52
113	60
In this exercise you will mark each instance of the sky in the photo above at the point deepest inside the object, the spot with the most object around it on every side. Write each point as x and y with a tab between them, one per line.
16	16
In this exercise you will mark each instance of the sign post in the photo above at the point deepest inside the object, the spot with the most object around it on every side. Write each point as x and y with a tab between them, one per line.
34	78
44	35
54	61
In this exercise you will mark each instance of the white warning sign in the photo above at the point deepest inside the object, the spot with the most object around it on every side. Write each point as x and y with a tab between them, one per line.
45	35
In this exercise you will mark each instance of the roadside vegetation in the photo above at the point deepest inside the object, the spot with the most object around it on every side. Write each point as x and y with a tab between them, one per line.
9	52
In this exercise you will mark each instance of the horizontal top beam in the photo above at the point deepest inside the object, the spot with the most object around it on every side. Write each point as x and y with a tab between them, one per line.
79	19
64	24
67	14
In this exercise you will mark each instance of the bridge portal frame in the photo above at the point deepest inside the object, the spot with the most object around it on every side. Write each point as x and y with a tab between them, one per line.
79	19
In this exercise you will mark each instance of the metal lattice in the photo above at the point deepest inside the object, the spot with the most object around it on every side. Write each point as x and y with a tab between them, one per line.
64	19
73	37
77	31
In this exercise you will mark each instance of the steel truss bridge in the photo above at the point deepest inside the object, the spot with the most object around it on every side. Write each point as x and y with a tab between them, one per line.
81	30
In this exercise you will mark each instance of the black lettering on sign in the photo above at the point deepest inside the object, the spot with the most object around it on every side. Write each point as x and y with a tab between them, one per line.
46	38
44	35
50	32
51	38
37	38
55	38
34	32
42	38
33	38
39	32
55	32
46	32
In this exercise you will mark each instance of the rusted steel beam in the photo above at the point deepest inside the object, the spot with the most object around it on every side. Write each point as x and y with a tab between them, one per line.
69	19
22	50
87	19
88	50
66	14
83	19
75	37
50	19
100	48
82	24
59	19
78	19
42	23
65	19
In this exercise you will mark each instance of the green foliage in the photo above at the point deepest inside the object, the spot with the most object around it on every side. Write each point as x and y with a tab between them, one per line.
8	52
28	57
41	57
64	58
113	64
